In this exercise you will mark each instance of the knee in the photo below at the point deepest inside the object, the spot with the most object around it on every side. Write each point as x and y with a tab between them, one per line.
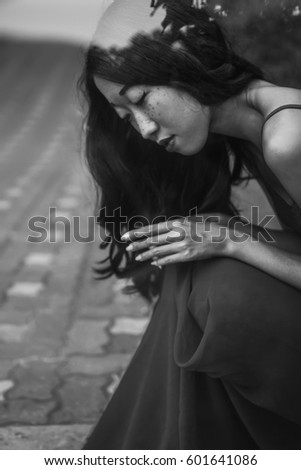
235	291
224	282
231	289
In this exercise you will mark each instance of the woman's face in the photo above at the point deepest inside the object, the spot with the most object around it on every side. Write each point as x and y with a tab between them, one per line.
170	117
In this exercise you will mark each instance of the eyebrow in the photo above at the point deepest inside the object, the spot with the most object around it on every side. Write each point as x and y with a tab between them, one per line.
121	93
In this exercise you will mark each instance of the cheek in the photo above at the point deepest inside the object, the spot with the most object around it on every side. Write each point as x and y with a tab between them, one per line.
164	107
194	136
155	110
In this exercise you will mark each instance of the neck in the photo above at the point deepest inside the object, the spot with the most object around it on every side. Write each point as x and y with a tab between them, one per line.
237	117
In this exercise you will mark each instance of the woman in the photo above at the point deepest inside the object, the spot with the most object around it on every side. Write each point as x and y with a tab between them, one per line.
219	365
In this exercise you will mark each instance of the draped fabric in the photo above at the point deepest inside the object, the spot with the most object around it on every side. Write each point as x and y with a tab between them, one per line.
218	367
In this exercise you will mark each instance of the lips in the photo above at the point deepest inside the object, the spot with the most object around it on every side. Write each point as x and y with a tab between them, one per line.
168	143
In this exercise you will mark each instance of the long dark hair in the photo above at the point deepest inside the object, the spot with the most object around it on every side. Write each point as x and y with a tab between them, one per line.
137	179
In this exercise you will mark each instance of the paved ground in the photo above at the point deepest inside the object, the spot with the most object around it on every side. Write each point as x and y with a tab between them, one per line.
60	20
65	338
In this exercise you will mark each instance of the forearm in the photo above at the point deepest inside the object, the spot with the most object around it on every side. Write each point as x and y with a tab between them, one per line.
269	258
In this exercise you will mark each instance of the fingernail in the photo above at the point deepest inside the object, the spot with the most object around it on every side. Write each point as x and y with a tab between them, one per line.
138	258
155	263
125	236
129	248
139	234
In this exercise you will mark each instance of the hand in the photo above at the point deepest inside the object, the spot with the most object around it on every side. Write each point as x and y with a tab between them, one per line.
179	240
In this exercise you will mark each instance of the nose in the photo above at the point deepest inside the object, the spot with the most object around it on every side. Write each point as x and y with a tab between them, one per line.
145	125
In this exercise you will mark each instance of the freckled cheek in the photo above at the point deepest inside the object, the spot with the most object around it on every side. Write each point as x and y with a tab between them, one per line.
164	113
152	111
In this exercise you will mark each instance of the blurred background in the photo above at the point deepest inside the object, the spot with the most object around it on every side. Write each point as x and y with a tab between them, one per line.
65	338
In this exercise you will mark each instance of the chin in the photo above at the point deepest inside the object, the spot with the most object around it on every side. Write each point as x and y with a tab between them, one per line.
189	152
191	148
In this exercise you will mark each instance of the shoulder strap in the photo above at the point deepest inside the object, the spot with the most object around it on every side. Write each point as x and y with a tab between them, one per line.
280	108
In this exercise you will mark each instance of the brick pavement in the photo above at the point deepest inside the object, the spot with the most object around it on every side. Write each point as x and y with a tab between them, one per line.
65	338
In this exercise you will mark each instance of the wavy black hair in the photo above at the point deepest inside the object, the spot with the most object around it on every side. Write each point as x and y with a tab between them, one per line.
138	179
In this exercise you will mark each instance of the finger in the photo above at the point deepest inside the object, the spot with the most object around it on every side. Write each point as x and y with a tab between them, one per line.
160	251
175	258
147	243
147	230
135	233
152	230
160	239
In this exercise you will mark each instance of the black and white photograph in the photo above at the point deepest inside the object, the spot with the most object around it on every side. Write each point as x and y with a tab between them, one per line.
150	235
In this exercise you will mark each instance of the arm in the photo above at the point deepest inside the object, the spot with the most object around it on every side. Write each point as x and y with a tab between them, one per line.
280	258
281	145
282	152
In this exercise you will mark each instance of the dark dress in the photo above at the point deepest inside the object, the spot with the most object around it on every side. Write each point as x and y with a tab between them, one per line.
219	366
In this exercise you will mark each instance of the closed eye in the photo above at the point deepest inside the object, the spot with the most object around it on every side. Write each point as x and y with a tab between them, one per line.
141	100
132	99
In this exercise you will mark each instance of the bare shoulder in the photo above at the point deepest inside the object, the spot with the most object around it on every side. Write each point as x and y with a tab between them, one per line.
266	96
281	134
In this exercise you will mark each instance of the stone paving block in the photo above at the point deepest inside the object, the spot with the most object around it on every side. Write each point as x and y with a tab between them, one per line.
53	303
6	367
12	316
87	337
63	283
123	344
130	326
25	289
42	260
5	386
20	303
99	292
36	380
63	437
34	276
14	192
101	365
50	326
43	347
25	411
12	351
111	310
67	202
14	333
81	400
5	205
34	347
92	312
